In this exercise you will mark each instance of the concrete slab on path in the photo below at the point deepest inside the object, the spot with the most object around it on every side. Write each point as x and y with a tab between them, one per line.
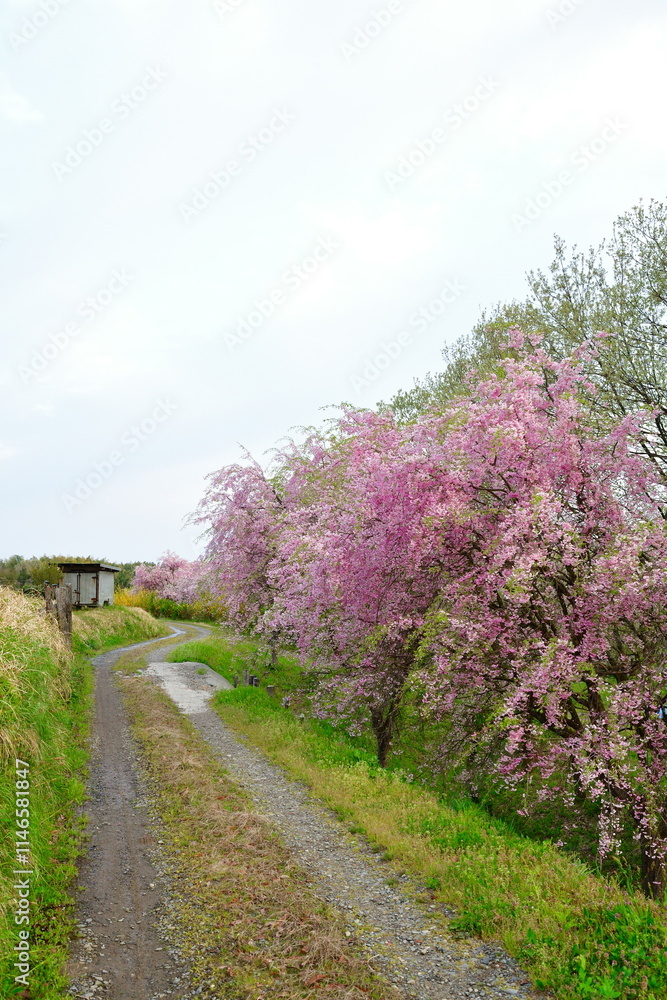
190	685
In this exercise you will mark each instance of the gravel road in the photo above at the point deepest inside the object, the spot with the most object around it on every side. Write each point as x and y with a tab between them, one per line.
123	899
405	939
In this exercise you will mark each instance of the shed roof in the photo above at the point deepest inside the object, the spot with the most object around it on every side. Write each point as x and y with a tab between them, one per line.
74	567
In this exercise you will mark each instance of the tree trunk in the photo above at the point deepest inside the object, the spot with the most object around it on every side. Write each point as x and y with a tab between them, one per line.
384	721
654	871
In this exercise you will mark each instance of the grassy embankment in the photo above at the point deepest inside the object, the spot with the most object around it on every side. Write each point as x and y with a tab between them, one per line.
45	701
577	933
97	629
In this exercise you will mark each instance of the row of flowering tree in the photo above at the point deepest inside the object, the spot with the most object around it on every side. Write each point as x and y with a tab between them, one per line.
176	588
498	557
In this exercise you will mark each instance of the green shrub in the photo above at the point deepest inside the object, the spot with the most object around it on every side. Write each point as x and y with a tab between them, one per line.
205	609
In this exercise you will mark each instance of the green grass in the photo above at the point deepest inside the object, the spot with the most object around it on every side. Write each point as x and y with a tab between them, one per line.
97	629
578	934
230	655
45	711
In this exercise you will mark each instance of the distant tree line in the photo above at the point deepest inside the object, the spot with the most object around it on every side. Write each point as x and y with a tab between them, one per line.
30	575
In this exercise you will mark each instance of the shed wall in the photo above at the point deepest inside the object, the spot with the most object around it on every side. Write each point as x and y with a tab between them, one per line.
106	587
87	584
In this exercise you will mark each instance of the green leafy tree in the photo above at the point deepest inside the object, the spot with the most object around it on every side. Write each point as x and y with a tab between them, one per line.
126	576
31	574
619	288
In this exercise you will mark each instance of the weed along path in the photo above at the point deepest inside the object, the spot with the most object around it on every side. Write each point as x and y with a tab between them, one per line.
119	953
135	941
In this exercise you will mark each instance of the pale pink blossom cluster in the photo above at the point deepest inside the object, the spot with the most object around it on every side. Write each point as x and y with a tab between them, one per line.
498	558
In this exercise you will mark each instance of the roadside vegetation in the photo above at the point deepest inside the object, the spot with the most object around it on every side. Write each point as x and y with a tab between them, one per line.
203	609
45	707
248	923
580	932
230	655
44	716
96	629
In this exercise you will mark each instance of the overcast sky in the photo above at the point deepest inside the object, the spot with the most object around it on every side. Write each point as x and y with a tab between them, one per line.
216	217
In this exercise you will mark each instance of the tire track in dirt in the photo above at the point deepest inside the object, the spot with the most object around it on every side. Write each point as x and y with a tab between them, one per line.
119	954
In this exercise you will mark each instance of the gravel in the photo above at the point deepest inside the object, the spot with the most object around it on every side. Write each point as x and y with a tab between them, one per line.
407	940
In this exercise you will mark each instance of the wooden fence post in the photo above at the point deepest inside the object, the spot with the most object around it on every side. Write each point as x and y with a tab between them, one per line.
59	604
64	607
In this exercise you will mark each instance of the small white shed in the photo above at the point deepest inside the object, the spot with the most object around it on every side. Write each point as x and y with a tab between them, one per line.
92	583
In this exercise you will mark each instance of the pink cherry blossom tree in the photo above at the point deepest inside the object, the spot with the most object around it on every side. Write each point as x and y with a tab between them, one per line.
351	585
316	552
174	578
556	620
241	511
500	554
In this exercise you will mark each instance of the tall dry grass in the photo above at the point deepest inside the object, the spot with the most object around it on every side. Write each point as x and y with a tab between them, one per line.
34	671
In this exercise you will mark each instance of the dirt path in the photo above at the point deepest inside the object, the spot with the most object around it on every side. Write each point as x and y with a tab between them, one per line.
405	939
120	954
